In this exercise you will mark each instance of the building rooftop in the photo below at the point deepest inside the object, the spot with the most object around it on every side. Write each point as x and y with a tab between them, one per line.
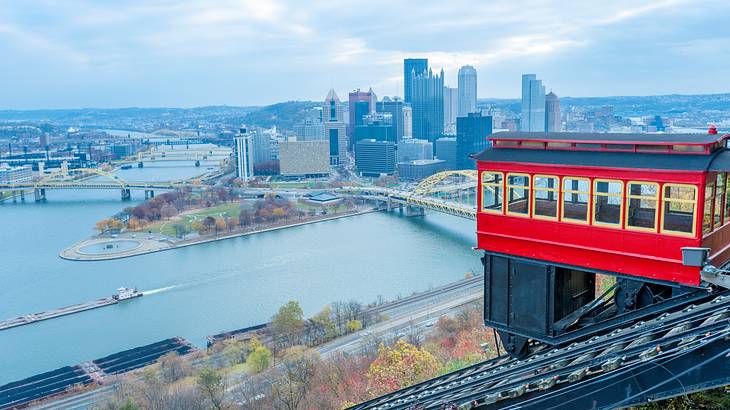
607	138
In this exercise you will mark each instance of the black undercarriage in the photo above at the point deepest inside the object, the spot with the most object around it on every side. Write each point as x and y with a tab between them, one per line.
532	302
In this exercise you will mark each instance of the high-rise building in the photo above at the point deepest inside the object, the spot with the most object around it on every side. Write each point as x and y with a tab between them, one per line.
304	159
243	152
445	149
467	90
356	112
311	129
420	169
373	158
451	109
428	105
407	121
334	128
261	147
412	149
377	126
411	68
552	113
395	108
533	104
471	137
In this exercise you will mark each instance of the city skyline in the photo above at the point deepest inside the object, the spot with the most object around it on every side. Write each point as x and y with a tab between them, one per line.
184	54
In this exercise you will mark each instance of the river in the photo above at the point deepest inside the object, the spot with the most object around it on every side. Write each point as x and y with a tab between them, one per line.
200	290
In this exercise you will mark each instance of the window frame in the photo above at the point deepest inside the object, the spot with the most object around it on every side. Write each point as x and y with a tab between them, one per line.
628	197
508	186
726	206
695	205
557	192
595	195
563	191
719	214
708	201
492	184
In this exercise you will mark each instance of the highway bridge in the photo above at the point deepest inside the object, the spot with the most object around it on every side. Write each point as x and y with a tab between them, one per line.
84	179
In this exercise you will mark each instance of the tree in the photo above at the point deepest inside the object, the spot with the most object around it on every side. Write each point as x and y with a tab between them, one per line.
180	230
220	225
259	358
287	323
354	325
278	213
399	366
198	227
295	378
245	217
212	386
173	367
109	224
209	223
235	351
232	223
168	211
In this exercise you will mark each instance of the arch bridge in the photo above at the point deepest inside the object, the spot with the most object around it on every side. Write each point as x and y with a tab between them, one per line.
449	192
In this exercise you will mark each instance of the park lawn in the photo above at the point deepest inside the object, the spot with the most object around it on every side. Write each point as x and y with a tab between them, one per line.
284	185
167	227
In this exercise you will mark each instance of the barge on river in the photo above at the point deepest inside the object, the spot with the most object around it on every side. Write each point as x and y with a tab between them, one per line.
122	294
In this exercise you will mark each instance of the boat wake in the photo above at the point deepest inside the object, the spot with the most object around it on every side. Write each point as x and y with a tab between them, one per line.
159	290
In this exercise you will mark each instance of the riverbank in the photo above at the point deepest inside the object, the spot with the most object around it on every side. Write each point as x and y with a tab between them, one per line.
108	248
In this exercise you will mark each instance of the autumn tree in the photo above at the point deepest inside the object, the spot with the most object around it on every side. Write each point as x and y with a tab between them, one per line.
259	358
399	366
168	211
173	367
209	223
108	225
220	225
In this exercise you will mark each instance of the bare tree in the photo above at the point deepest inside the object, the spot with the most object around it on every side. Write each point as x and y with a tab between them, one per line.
295	378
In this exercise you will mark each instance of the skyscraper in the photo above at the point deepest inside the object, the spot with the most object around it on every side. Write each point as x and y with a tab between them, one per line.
395	108
552	113
411	68
356	113
471	137
334	128
407	121
428	105
467	90
533	104
243	152
451	109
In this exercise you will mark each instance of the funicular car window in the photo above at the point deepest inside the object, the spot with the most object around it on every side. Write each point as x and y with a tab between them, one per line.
492	191
518	194
643	202
679	203
607	202
576	192
545	191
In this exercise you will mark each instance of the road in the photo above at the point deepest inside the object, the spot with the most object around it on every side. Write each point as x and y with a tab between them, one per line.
408	316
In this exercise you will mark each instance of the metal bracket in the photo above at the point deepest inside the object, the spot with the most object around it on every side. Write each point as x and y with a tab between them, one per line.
715	276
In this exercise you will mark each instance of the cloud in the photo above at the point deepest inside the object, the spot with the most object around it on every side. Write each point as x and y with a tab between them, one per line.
139	43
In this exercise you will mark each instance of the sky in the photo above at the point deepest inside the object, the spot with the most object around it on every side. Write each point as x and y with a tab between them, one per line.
186	53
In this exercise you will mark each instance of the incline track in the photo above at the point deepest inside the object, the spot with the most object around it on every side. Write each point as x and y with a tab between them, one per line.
672	354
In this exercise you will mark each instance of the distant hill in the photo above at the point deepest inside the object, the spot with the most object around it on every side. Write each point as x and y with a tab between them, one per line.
665	105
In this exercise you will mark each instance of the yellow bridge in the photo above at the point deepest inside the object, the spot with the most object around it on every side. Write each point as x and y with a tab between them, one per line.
449	192
84	179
